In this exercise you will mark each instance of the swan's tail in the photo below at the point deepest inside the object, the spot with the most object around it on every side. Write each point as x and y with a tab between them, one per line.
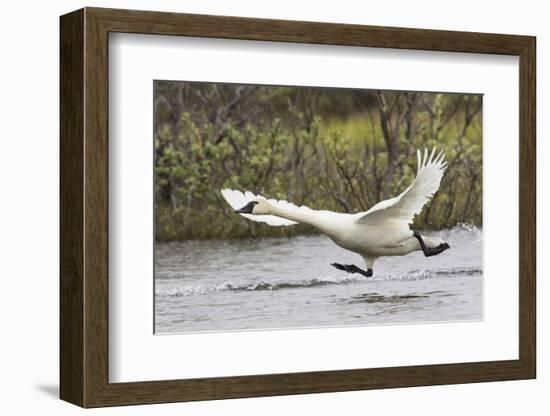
432	242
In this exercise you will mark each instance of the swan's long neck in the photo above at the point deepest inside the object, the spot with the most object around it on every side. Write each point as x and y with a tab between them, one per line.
301	216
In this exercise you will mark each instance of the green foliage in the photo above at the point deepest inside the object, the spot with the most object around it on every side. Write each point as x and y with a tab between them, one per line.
299	144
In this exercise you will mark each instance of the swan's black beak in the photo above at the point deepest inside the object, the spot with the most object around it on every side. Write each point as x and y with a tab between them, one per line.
247	209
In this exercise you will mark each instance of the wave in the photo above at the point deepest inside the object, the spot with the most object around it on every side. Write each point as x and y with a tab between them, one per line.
200	289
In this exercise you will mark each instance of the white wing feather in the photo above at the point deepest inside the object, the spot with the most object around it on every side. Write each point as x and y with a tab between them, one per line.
405	206
237	199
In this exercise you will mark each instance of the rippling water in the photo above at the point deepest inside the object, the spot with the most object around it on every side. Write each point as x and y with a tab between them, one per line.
228	285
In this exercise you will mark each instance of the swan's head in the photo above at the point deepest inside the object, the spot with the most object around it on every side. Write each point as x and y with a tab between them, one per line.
259	206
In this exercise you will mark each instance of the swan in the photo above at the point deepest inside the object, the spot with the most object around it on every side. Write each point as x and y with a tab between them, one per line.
381	231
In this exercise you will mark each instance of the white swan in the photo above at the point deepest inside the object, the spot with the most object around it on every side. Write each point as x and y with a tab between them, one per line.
381	231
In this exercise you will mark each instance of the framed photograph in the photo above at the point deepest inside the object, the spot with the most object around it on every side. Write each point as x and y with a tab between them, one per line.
256	207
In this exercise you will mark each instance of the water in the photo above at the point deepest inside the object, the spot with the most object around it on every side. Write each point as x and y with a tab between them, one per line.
289	283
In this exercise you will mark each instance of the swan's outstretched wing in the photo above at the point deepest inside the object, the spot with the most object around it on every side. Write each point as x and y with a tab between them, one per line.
405	206
238	199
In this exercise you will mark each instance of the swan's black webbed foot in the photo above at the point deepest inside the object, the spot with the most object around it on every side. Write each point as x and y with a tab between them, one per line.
352	268
430	251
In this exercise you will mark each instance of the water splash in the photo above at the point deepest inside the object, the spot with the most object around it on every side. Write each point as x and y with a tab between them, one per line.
227	286
460	229
424	274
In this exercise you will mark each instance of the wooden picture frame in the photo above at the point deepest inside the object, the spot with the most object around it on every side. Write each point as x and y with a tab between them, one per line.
84	207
